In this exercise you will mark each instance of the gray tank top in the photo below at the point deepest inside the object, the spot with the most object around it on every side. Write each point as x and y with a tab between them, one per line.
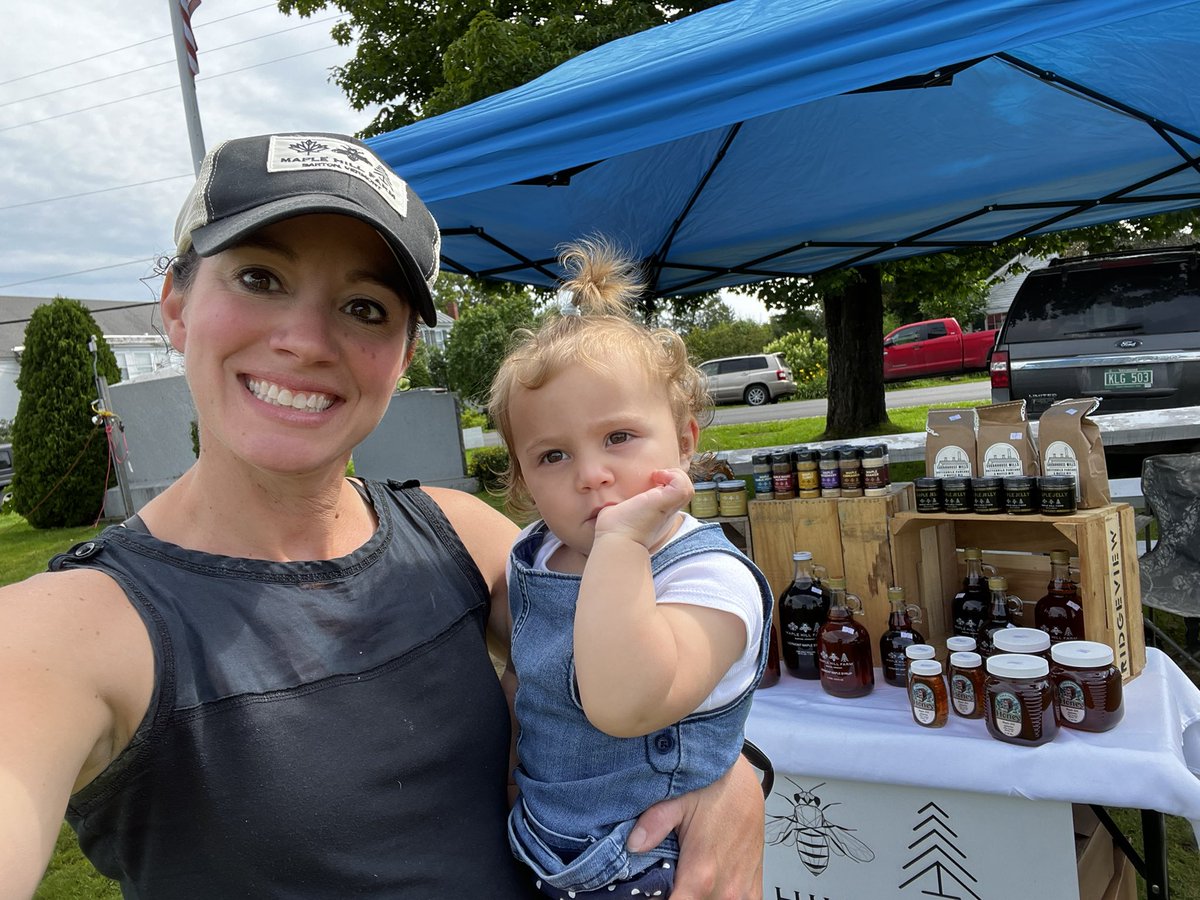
318	729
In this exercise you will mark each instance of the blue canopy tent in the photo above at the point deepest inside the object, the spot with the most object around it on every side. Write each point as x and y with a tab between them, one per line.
764	138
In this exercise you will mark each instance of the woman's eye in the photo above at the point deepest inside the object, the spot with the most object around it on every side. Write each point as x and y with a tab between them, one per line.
258	280
618	437
367	310
553	456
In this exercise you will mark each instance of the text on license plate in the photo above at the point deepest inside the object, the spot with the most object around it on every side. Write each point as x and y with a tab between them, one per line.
1128	378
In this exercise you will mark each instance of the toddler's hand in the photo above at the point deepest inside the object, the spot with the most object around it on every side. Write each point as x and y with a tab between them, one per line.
647	517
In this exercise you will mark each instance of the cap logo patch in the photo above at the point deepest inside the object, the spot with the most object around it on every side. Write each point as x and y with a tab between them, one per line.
291	153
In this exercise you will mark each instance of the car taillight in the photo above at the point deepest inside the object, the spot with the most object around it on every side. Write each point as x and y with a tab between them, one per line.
999	370
781	375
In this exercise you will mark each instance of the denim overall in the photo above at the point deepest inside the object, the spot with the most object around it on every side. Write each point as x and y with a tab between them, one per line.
582	789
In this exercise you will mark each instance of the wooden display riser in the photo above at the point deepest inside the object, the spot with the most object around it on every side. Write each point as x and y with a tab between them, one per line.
927	553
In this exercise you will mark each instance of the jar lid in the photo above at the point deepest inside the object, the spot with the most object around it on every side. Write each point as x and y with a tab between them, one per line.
801	555
781	456
848	452
1017	665
1018	481
973	553
835	582
705	486
926	481
895	592
1082	654
925	667
731	484
873	451
919	651
997	582
1061	557
960	643
1058	481
828	453
805	455
966	659
1021	640
956	483
760	458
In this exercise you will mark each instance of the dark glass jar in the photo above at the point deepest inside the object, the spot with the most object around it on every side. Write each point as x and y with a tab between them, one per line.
803	607
1021	495
956	495
1060	612
844	658
987	495
927	694
967	684
1058	494
929	494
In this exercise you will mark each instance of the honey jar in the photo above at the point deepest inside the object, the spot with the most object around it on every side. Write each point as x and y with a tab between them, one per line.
1087	686
967	684
1019	699
1033	641
927	693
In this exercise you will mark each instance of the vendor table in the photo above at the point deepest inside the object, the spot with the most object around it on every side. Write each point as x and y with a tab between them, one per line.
953	804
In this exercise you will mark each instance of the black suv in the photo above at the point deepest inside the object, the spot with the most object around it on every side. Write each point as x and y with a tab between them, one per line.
1124	327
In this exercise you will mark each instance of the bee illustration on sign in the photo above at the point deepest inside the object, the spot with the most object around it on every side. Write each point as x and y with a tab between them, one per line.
808	829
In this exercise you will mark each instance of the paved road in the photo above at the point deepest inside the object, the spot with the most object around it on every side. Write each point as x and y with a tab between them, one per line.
802	409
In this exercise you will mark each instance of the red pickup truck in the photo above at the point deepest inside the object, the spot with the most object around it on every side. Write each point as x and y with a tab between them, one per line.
935	347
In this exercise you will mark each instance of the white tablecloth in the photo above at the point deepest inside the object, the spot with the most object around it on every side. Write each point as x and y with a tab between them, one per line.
1149	761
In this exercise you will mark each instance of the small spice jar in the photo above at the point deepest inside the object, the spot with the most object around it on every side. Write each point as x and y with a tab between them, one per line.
929	494
987	495
830	471
808	481
783	479
704	500
1021	495
956	495
1058	494
966	684
960	643
731	497
1019	706
850	466
1033	641
927	693
764	486
1087	686
875	470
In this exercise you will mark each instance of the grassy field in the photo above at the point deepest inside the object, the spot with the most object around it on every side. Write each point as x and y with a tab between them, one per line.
24	551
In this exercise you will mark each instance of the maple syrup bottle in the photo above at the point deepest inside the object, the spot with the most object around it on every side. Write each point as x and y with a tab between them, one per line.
770	674
900	634
1060	612
970	605
1001	607
802	611
844	647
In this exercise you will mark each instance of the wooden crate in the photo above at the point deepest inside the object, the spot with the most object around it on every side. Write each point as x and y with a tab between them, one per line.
848	536
927	550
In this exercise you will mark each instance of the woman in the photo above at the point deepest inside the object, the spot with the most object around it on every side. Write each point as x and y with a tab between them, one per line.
272	682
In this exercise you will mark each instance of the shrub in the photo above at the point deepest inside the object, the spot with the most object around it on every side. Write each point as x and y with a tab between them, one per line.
488	465
471	418
807	357
60	458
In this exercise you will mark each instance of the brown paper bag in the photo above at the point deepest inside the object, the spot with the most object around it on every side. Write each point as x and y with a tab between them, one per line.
1071	445
950	443
1003	444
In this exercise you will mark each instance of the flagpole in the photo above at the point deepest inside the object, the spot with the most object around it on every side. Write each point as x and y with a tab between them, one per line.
185	57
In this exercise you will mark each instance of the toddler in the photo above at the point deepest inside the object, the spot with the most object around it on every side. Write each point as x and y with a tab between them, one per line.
638	633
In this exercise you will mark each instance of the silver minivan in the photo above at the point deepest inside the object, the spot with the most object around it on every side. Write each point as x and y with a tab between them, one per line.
1124	327
755	379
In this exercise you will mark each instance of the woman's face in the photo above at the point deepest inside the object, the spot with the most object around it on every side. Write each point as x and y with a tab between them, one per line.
293	342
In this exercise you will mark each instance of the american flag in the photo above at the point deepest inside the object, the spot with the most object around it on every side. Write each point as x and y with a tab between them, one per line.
188	7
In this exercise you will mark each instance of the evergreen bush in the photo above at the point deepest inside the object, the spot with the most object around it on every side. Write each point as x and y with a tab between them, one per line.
60	458
488	465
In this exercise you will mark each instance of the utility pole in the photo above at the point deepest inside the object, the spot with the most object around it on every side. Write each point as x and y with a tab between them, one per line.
185	58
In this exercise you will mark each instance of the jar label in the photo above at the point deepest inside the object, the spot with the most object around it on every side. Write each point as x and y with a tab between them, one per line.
806	479
783	483
831	478
763	483
1070	702
962	693
1001	460
952	462
1006	710
924	704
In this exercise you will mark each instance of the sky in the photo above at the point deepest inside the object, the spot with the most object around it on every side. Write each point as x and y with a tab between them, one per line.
95	153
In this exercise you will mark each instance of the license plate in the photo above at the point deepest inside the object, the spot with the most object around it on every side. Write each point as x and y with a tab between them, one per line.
1128	378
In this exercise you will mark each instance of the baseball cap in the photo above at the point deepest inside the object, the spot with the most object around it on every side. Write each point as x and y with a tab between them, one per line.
247	183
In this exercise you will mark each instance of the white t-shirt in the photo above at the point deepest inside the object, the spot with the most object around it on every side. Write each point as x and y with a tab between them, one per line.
712	579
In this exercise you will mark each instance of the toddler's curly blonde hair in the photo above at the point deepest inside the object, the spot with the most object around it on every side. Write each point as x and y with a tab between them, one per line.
602	337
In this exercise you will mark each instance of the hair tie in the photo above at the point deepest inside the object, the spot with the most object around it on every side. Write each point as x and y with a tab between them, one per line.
566	303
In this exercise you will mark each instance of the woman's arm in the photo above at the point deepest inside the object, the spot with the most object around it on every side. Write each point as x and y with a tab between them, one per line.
76	675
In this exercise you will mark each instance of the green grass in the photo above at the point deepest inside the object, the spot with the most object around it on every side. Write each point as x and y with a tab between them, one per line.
24	551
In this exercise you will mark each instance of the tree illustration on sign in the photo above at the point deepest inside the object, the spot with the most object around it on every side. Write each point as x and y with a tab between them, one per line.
938	860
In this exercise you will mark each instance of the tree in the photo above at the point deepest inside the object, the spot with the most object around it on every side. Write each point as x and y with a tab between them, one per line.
481	337
416	59
736	338
59	455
